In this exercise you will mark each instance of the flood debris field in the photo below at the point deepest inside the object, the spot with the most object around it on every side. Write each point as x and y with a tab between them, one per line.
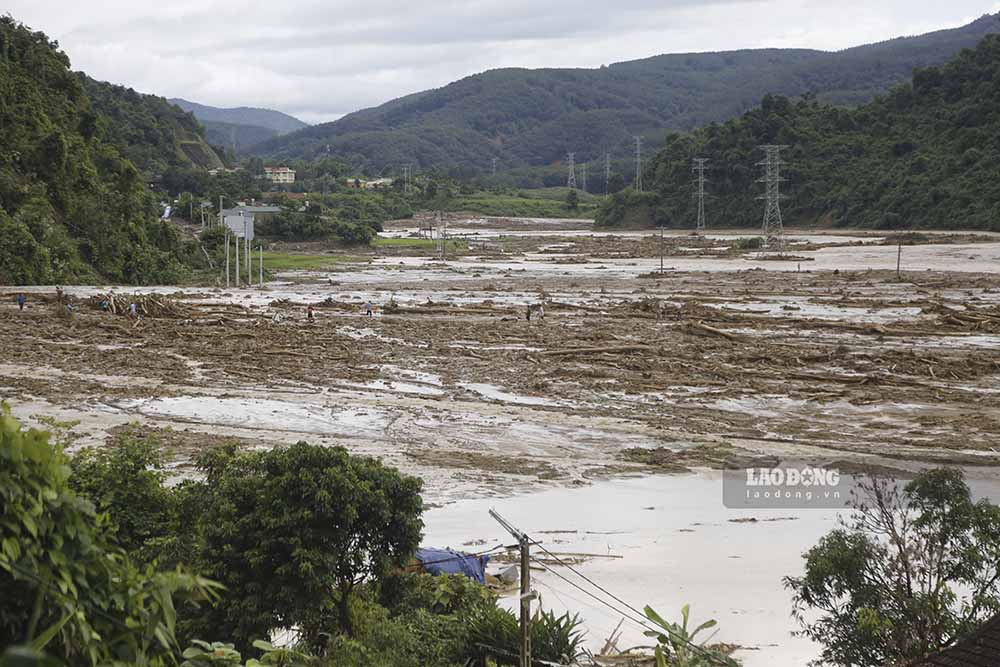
630	371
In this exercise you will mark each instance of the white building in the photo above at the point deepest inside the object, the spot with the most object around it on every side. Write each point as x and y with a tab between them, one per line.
279	174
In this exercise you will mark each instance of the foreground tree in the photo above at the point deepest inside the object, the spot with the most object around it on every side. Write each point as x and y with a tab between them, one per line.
65	586
908	573
293	530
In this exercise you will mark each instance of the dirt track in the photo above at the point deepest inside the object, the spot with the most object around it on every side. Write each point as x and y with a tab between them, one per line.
451	382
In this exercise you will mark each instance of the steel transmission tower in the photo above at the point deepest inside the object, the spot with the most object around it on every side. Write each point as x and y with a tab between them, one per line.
772	229
638	164
571	165
494	166
700	165
607	174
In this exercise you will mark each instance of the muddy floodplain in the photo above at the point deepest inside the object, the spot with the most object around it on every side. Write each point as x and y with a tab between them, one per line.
630	370
581	426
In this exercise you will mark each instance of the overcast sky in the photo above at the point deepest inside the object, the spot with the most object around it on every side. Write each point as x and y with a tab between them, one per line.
320	59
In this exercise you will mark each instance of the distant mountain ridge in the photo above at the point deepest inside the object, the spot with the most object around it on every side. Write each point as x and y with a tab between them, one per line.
921	157
240	128
526	117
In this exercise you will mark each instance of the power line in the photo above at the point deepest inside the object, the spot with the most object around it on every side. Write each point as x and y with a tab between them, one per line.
525	540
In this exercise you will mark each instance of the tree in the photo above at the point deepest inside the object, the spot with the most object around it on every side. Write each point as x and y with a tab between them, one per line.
573	200
290	530
616	183
64	583
124	479
909	572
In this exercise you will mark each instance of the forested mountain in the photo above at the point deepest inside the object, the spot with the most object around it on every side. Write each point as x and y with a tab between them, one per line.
533	117
241	128
925	155
153	133
72	206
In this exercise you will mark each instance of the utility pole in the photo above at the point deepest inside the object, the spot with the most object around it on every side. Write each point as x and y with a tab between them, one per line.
638	164
661	248
227	257
571	166
700	165
237	243
772	229
607	174
260	263
527	595
583	175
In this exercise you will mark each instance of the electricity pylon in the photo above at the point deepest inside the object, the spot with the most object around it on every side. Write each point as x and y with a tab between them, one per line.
638	164
772	229
700	165
571	165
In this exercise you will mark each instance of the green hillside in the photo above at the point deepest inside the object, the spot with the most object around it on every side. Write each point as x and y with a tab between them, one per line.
533	117
154	134
235	137
926	155
72	206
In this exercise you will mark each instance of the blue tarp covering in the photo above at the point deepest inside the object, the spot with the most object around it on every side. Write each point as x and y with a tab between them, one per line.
446	561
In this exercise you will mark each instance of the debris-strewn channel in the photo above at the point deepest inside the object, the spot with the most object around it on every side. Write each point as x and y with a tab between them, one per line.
450	379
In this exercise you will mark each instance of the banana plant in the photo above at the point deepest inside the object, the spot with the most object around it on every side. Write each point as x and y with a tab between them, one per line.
677	646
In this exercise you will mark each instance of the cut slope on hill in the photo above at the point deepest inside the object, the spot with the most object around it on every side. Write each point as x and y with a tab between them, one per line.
154	134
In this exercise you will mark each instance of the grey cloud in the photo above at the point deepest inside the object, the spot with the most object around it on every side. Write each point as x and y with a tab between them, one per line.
321	60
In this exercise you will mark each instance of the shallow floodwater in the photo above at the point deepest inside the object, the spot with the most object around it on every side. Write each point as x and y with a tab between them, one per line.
661	541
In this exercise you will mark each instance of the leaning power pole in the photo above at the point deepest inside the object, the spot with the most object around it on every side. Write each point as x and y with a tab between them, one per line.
638	164
571	166
700	165
527	595
772	229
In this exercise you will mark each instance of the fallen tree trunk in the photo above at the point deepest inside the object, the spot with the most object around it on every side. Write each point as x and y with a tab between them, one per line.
613	349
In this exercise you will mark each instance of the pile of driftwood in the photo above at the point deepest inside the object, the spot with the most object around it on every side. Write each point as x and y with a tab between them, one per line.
146	305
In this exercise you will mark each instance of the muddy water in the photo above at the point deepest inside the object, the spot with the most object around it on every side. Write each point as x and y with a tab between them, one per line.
661	541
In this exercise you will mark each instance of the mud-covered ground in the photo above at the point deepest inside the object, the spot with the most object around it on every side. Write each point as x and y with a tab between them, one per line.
450	381
726	356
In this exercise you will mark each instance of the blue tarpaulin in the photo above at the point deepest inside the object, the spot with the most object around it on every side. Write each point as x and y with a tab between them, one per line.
446	561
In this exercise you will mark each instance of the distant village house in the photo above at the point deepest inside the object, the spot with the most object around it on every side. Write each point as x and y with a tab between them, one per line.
376	184
279	174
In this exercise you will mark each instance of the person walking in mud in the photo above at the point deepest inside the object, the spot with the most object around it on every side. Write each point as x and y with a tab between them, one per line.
369	309
310	314
20	300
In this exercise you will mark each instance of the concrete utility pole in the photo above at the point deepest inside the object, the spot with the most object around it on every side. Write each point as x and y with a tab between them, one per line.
583	175
236	239
700	165
527	595
227	257
607	174
260	264
571	166
638	164
772	228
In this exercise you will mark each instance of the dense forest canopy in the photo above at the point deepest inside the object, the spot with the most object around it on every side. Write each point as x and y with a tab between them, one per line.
925	155
72	205
533	117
